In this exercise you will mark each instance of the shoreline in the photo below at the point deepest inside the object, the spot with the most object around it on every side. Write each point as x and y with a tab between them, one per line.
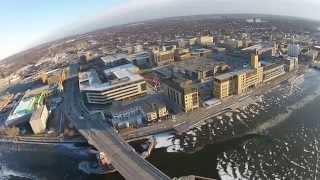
179	125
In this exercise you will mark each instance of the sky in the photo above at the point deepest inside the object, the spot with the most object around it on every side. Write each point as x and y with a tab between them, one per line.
26	23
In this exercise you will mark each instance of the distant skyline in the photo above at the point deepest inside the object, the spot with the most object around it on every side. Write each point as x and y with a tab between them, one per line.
27	23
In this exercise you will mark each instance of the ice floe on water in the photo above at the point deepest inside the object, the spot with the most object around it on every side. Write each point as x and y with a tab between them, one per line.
163	140
8	174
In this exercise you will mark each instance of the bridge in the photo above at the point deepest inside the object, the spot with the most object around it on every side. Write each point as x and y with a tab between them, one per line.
102	136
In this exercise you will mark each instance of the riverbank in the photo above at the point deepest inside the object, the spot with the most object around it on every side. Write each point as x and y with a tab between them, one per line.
185	121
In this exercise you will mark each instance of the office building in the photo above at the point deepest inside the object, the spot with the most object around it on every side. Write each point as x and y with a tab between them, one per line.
238	82
111	85
291	63
138	112
206	40
202	71
181	92
192	41
293	50
182	54
119	62
54	77
163	57
201	52
142	59
233	43
273	71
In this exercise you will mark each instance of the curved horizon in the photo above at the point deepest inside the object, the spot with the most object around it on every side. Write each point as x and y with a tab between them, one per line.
120	12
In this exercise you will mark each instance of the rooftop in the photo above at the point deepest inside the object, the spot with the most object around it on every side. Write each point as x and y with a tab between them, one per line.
113	58
228	75
25	107
108	79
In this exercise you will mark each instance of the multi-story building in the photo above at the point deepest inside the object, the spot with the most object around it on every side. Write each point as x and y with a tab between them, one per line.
202	71
238	82
201	52
273	71
119	62
206	40
141	59
291	63
233	43
137	113
111	85
182	54
54	77
192	41
293	50
182	92
163	57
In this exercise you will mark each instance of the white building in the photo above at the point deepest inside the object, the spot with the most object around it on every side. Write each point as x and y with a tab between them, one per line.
112	85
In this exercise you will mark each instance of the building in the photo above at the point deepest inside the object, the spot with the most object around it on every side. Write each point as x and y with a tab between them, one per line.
192	41
138	48
38	120
138	113
119	62
291	63
111	85
201	52
142	59
233	43
293	50
114	60
163	57
182	92
264	49
202	70
182	54
54	77
273	71
206	40
24	109
238	82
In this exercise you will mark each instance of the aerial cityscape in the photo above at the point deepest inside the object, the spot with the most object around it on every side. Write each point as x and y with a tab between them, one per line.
220	96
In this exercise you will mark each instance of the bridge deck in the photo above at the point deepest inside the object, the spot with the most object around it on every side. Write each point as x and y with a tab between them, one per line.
123	157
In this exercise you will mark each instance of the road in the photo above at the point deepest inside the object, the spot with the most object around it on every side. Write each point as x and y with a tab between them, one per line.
101	135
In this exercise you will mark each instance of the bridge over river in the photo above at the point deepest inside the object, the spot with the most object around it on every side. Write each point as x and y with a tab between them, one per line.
102	136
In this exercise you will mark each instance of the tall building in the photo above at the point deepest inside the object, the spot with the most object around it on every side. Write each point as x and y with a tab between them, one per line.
255	61
239	82
111	85
182	92
293	50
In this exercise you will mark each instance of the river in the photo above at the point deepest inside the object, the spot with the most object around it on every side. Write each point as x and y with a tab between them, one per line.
280	141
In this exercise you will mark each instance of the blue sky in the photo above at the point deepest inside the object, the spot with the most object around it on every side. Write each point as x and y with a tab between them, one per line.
26	21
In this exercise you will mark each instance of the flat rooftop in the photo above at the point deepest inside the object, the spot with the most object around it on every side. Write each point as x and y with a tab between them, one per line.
110	78
25	107
113	58
226	76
